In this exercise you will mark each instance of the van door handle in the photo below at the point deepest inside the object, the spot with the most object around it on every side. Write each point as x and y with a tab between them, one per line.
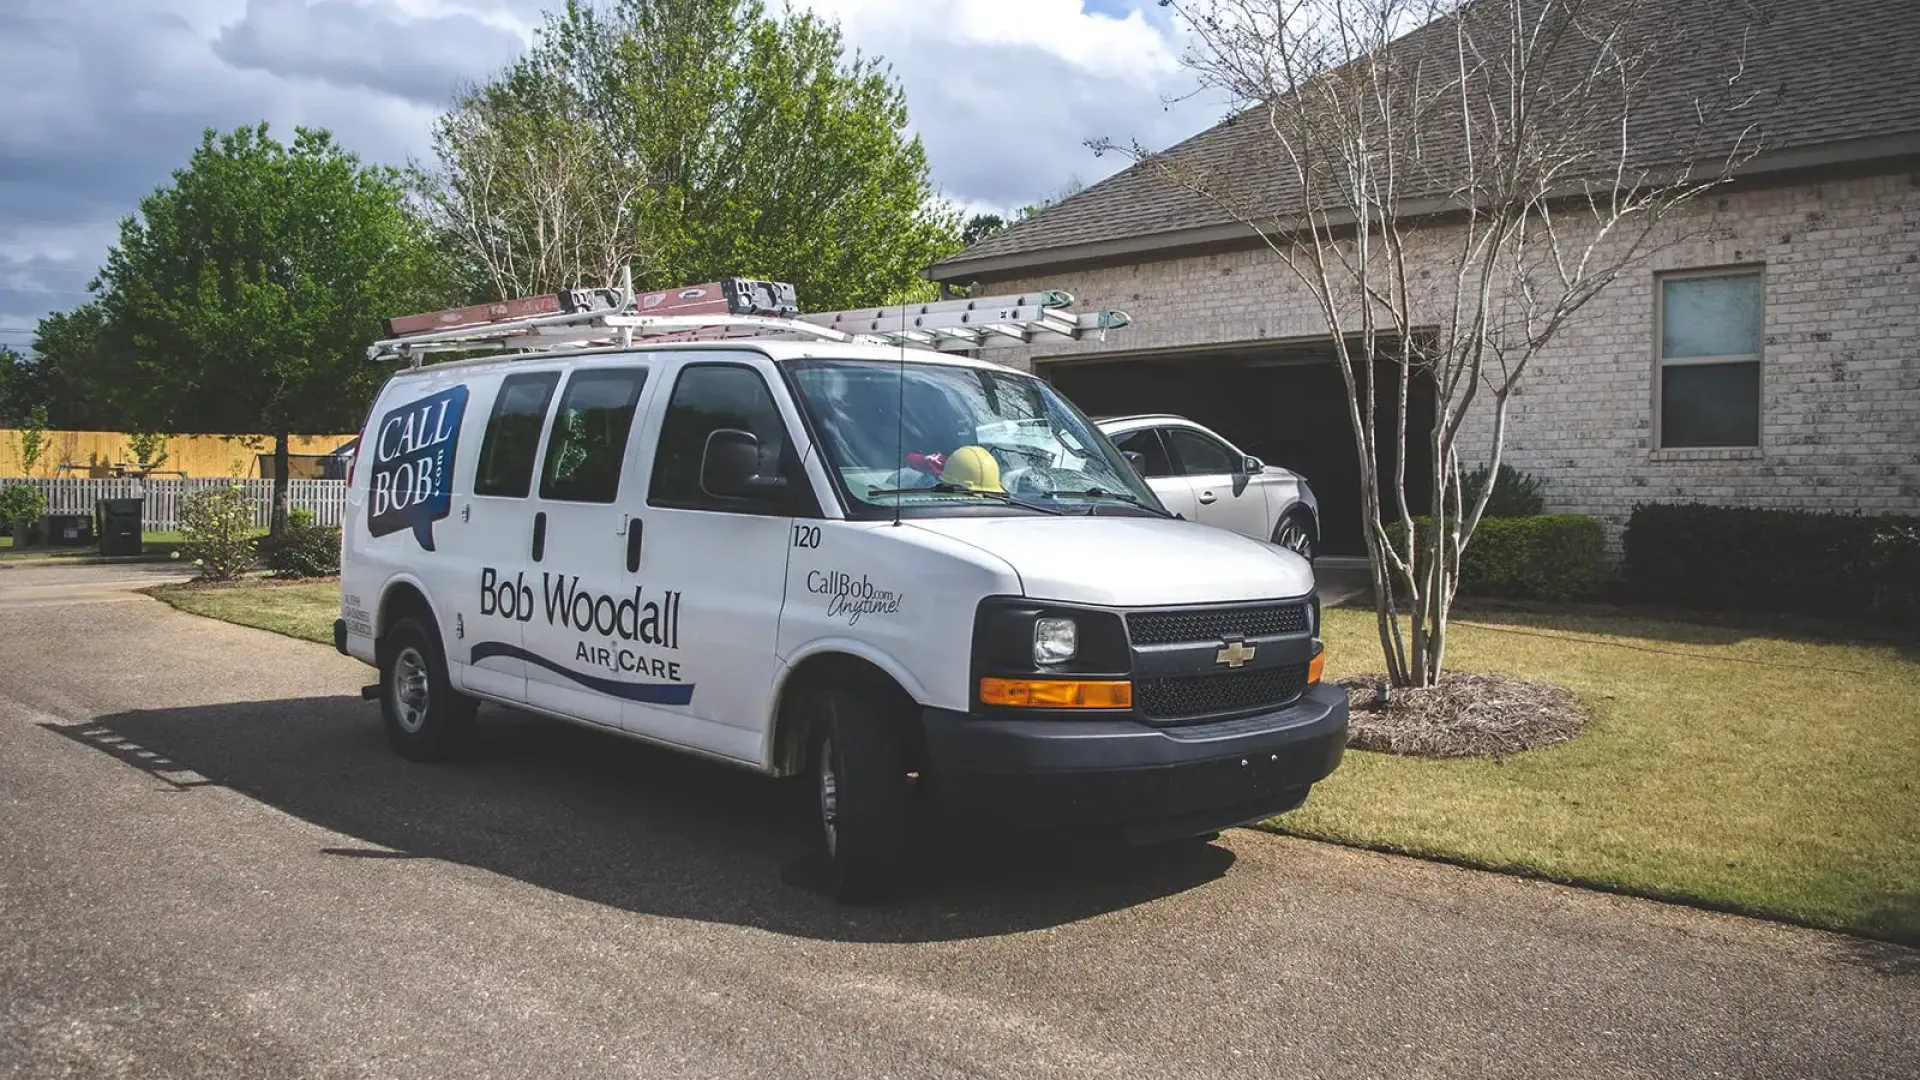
1206	496
539	535
633	545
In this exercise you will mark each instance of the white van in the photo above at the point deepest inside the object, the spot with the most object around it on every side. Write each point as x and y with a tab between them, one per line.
906	573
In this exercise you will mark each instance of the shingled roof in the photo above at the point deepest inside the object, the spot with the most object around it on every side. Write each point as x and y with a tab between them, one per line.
1833	82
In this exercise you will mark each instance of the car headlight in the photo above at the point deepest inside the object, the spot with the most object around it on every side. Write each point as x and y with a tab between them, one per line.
1055	641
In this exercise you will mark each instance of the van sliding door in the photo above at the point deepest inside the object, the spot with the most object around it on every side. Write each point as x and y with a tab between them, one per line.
492	597
588	628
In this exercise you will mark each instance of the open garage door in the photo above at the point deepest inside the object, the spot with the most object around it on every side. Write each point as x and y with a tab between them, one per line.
1286	406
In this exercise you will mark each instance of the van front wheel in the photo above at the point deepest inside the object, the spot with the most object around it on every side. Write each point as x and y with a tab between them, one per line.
862	792
426	719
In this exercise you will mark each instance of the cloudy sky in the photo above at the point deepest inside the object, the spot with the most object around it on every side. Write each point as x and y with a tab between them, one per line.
105	97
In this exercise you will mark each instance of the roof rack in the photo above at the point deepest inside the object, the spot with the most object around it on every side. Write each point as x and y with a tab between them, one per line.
734	308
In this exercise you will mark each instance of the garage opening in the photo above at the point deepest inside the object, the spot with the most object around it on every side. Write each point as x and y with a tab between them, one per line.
1286	405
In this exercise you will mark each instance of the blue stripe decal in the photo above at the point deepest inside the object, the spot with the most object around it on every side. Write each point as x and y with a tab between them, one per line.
650	693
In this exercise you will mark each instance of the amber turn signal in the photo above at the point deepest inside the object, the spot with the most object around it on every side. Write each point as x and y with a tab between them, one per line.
1057	693
1316	667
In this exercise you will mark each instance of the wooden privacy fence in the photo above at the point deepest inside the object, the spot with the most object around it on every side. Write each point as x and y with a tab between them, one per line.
164	495
99	454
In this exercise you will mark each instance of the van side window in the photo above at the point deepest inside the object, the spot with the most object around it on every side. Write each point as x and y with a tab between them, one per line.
589	438
513	435
708	398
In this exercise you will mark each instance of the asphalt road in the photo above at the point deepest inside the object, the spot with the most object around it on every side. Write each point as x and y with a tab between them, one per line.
210	866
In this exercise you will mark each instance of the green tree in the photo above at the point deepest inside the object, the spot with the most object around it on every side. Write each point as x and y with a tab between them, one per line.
149	449
531	201
17	390
81	381
33	439
981	226
243	294
743	143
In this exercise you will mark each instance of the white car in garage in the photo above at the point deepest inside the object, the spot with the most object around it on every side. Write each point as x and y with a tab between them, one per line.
1204	478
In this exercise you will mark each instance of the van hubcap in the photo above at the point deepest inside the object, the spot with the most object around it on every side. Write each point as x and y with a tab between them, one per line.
829	797
410	689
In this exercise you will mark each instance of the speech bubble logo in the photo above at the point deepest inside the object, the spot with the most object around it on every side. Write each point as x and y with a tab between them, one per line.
412	475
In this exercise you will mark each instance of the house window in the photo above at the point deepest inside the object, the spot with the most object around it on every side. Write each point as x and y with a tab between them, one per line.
1708	385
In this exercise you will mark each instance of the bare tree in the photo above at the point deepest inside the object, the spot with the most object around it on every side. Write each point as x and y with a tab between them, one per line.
1451	183
534	202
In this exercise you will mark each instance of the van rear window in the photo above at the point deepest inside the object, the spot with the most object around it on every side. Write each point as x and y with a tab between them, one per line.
513	435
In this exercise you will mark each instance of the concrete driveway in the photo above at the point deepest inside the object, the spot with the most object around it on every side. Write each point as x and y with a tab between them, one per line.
210	866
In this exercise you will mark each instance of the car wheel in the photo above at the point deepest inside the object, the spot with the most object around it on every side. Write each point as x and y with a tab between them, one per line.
426	718
861	791
1295	533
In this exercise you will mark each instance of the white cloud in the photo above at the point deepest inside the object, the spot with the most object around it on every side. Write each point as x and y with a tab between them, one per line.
1127	48
1004	94
419	57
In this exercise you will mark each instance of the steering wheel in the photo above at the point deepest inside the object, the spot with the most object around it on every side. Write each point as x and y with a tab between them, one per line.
1033	480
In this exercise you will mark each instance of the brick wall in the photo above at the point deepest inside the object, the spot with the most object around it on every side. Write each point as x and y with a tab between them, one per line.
1840	389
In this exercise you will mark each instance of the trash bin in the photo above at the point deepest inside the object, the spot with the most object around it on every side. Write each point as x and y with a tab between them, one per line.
69	530
119	525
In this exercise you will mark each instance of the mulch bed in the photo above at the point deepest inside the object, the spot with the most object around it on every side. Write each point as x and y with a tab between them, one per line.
1469	714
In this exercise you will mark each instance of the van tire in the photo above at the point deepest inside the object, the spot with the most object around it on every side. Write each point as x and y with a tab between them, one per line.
426	718
862	794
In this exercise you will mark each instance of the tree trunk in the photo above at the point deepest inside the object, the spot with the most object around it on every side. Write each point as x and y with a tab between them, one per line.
277	524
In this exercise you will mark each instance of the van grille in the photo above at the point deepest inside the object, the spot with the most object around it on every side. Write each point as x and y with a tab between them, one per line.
1216	623
1188	697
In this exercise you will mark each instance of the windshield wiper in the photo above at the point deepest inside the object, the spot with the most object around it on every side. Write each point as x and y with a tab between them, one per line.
946	488
1103	493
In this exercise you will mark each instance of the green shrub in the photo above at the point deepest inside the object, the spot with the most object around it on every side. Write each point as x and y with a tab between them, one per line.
217	523
21	502
1542	557
1725	558
149	449
1515	493
306	550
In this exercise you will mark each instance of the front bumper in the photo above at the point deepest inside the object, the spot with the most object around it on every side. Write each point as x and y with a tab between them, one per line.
340	637
1153	782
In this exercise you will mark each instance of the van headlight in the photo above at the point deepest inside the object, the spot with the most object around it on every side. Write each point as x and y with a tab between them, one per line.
1055	641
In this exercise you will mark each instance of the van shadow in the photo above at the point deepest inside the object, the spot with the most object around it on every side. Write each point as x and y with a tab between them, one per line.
609	820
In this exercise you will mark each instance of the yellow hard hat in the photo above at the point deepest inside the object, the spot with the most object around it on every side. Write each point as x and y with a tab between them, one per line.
974	467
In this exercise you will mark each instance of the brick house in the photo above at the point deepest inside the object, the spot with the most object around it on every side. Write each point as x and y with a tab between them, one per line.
1772	359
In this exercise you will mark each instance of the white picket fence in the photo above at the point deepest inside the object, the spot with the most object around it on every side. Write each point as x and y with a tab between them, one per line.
326	498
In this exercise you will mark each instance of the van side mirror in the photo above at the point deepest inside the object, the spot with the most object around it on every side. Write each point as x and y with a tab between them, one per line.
1253	465
730	468
1136	459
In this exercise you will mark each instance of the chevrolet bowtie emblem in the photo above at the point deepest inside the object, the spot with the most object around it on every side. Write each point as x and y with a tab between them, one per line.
1235	654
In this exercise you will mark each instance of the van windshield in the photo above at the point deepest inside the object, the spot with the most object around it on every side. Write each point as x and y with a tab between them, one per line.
937	437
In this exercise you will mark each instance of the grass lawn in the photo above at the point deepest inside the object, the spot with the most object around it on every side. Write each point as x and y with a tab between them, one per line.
1724	768
1774	776
295	608
153	541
